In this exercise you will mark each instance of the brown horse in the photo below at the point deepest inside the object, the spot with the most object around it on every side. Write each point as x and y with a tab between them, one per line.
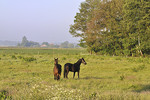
57	69
73	67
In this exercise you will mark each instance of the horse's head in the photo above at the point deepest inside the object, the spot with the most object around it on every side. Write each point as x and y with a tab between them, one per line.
56	61
83	61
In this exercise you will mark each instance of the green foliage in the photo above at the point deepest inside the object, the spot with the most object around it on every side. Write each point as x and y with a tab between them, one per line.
122	77
45	43
139	68
118	58
26	43
64	58
66	44
93	96
13	57
136	26
20	57
4	95
4	55
114	27
29	59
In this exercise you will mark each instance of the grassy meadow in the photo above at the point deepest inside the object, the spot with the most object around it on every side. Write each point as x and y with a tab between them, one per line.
27	74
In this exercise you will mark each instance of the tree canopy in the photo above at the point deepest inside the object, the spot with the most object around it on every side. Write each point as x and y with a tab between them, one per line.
115	27
26	43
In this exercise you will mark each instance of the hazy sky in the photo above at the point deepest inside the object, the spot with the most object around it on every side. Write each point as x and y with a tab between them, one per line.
38	20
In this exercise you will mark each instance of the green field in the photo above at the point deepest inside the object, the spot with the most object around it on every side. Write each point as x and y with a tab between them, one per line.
27	74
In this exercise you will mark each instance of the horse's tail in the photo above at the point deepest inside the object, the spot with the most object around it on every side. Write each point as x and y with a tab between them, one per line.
64	70
59	69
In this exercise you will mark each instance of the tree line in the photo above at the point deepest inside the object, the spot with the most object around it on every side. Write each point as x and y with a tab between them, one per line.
114	27
26	43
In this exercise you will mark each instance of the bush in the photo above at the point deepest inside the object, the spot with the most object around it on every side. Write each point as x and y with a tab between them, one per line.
13	57
4	95
118	58
4	55
29	59
20	57
139	68
64	58
122	77
93	96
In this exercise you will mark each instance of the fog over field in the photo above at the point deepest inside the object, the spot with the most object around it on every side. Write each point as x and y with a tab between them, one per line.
38	20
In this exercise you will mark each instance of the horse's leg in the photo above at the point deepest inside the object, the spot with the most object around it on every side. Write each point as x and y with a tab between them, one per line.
67	74
58	77
67	71
78	74
64	72
74	74
55	77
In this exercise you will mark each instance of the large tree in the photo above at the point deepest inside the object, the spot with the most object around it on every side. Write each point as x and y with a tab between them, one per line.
136	27
26	43
79	28
97	23
114	27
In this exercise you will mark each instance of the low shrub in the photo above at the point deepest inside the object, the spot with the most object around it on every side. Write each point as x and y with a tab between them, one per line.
122	77
20	57
139	68
29	59
4	95
13	57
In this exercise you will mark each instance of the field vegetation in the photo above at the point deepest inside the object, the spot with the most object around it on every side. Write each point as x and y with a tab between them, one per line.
27	74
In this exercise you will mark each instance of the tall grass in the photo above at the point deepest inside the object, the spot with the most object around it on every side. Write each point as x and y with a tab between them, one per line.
27	74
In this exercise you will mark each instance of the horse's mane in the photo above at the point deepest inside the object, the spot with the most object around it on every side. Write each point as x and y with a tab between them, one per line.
78	62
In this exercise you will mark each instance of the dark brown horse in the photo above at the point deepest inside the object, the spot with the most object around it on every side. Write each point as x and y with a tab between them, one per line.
73	67
57	69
